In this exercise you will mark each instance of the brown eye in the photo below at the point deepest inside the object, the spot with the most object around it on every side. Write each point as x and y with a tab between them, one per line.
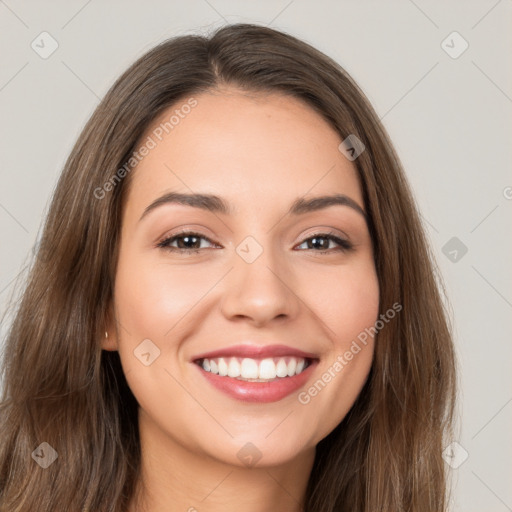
187	241
322	241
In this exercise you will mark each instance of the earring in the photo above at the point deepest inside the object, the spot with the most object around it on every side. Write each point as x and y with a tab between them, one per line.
106	335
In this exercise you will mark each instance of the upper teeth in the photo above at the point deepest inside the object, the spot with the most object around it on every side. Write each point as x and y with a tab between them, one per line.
247	368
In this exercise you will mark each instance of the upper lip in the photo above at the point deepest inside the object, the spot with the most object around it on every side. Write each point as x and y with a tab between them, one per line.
255	352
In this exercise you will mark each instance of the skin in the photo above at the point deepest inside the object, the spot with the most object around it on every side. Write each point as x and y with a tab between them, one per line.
259	152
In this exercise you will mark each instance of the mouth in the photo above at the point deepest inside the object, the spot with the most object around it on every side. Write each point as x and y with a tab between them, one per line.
259	378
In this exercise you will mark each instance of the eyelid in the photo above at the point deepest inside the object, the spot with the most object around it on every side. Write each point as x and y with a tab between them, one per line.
187	229
325	230
166	238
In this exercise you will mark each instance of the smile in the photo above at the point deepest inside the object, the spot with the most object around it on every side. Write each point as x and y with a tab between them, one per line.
257	380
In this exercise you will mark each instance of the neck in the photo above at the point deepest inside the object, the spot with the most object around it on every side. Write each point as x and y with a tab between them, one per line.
175	478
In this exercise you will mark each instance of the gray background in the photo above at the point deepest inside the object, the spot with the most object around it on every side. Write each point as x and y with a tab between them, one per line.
449	119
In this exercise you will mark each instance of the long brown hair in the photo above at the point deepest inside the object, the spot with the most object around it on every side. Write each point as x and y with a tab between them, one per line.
60	387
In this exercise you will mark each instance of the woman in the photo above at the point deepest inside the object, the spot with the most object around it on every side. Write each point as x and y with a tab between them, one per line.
233	305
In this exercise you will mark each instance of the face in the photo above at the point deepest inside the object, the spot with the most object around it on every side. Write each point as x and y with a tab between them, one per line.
235	325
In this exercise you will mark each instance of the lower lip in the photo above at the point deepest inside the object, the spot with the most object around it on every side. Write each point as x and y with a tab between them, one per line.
263	392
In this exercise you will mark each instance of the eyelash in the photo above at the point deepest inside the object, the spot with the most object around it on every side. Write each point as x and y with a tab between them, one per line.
344	245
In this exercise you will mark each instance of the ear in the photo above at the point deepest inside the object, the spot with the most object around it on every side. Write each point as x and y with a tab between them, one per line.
109	340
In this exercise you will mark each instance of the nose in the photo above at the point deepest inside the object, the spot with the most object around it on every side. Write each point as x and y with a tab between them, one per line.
260	291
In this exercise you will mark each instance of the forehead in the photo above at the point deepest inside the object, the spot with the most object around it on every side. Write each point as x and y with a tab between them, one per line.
247	147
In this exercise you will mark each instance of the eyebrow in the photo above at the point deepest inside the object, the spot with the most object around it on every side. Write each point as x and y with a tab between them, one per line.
216	204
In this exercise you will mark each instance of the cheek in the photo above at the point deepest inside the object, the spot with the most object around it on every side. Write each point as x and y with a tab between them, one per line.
154	301
347	300
348	311
151	298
